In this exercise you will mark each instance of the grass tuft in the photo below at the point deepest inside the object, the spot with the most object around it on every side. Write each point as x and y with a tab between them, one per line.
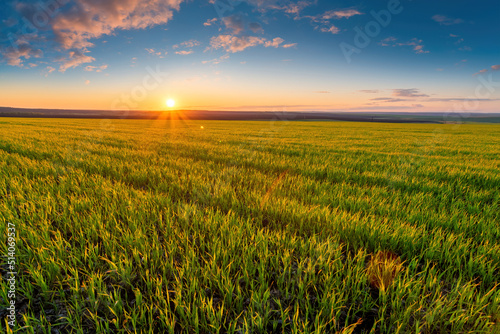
382	269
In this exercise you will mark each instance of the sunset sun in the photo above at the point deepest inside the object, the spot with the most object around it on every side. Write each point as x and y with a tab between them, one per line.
170	103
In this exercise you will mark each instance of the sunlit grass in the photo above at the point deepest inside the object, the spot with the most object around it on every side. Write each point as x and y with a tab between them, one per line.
251	227
383	269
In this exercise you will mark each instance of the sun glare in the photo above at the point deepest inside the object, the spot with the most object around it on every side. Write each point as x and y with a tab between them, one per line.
170	103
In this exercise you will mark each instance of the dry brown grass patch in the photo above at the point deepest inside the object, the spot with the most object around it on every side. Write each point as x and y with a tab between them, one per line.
383	267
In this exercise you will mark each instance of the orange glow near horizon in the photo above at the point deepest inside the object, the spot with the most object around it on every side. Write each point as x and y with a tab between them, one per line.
208	96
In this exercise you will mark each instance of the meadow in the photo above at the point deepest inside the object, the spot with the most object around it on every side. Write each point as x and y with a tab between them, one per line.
160	226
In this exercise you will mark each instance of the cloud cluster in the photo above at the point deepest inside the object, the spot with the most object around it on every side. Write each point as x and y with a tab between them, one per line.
74	59
210	22
415	43
274	43
445	20
332	29
399	95
97	69
255	27
78	22
323	22
241	28
184	52
294	8
339	14
187	44
408	92
458	41
216	61
493	68
233	44
417	46
156	53
387	99
239	23
460	99
236	23
88	19
13	54
414	95
369	91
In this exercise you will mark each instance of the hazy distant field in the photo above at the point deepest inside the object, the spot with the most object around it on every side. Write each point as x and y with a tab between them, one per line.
251	227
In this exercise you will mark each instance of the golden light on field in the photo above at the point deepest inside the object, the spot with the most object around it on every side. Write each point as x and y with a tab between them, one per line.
170	103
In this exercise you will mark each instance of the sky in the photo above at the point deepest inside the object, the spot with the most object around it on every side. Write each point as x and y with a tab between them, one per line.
258	55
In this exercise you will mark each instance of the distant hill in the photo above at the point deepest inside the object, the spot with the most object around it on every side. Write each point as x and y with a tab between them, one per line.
390	117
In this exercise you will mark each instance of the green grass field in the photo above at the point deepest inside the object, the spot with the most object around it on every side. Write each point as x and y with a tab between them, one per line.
130	226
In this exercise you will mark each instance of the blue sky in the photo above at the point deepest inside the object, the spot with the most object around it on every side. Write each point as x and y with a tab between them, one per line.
251	55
